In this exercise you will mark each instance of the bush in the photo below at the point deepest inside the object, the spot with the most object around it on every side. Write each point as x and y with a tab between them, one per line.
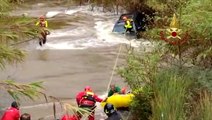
141	105
163	90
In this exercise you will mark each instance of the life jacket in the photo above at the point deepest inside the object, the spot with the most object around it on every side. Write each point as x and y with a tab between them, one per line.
43	23
87	100
128	24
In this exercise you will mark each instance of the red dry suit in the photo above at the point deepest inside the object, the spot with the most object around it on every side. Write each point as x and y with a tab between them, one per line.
68	117
87	99
11	114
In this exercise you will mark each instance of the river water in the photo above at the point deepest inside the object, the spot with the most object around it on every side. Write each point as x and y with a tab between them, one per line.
81	53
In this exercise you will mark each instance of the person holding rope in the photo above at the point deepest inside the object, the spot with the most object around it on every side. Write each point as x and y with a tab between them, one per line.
116	89
43	24
87	100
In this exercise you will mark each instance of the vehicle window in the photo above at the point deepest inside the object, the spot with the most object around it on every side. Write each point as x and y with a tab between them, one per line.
119	29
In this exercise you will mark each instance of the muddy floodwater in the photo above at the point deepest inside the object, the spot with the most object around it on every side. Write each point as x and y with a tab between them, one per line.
79	54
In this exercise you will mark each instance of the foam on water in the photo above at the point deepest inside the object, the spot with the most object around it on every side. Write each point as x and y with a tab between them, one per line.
59	46
51	14
68	38
76	44
105	33
70	12
67	32
97	11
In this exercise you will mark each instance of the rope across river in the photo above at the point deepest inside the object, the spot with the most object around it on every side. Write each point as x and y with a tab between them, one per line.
114	67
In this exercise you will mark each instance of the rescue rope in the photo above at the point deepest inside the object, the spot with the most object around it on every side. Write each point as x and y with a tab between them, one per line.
114	67
23	41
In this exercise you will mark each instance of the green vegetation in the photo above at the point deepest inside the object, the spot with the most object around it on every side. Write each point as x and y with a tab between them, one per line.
194	16
169	83
12	31
16	90
164	90
173	82
170	95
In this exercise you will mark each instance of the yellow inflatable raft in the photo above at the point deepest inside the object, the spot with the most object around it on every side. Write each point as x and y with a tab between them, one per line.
119	100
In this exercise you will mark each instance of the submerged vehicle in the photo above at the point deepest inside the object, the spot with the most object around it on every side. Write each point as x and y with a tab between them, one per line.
138	23
119	100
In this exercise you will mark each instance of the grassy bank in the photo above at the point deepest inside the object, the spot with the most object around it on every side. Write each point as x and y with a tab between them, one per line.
173	82
167	92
